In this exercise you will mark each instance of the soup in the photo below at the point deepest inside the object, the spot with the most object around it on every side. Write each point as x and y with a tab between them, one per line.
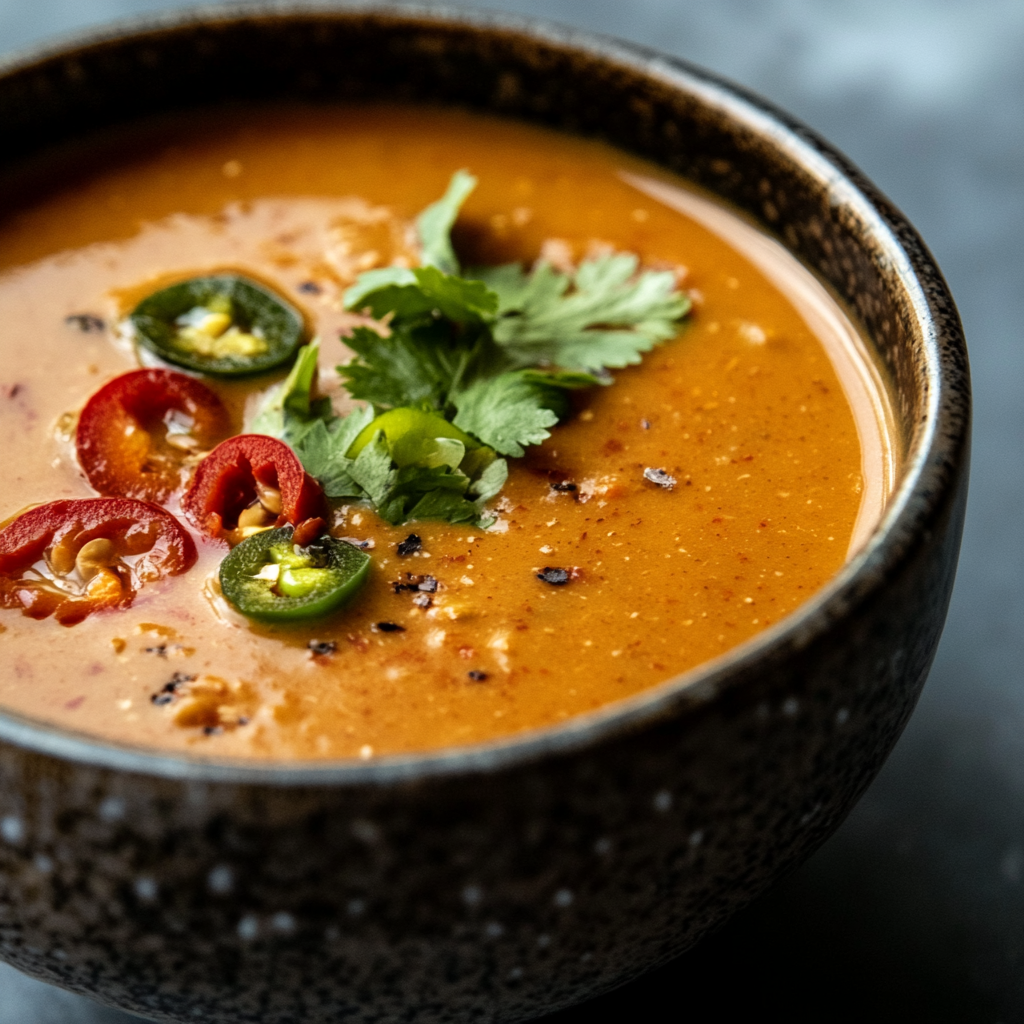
671	515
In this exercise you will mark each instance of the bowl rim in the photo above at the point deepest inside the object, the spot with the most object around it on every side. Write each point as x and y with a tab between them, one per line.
927	482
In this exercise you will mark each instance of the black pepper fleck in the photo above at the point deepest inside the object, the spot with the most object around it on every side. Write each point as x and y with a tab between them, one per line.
310	288
88	323
390	627
477	676
363	544
645	424
160	650
660	477
410	545
322	647
556	577
212	730
565	487
166	694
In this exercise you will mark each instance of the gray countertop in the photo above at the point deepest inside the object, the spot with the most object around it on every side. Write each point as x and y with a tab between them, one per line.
914	910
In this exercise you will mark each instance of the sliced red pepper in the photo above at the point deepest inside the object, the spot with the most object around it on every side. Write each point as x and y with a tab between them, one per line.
73	557
137	434
248	483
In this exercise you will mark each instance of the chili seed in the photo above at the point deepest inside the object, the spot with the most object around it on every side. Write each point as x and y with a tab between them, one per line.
660	477
556	577
390	627
410	545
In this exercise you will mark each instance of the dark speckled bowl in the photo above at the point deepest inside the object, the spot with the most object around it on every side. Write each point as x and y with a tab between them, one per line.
499	882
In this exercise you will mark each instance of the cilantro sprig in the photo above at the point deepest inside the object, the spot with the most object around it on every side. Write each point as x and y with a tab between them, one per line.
463	368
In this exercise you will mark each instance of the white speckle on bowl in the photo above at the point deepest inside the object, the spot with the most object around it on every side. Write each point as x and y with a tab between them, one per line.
58	954
662	801
221	879
696	838
332	933
12	829
494	930
515	974
112	809
248	928
472	895
283	922
842	716
543	941
1012	866
43	864
145	889
586	958
563	898
790	706
356	908
366	831
602	846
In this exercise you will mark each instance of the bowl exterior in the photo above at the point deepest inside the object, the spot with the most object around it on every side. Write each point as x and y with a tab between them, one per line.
495	888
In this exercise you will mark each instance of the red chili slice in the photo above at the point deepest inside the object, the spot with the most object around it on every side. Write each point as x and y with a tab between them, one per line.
251	482
137	434
72	557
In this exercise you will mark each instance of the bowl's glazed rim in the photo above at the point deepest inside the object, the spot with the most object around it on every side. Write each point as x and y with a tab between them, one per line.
927	477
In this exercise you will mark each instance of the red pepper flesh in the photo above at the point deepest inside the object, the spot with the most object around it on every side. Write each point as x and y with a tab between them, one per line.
225	485
123	441
41	556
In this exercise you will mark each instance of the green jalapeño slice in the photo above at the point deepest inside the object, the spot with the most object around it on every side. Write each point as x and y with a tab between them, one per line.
269	578
225	325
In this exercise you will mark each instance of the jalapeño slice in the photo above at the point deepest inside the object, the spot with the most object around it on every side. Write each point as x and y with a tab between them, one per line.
225	325
267	577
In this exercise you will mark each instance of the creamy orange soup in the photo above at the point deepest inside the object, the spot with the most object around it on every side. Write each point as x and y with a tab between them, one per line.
763	408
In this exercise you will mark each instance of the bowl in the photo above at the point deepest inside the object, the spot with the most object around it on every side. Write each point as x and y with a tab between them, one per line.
498	882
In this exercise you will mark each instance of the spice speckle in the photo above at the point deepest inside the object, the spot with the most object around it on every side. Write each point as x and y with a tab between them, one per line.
477	676
321	648
660	477
410	545
389	627
87	323
556	577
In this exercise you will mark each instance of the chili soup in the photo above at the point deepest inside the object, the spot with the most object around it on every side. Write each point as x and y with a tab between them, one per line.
672	514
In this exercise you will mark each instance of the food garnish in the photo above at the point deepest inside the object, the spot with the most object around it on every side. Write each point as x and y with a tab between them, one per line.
138	434
556	577
465	368
224	324
73	557
251	483
271	578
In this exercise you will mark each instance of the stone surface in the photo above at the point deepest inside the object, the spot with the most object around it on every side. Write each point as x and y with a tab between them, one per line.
915	909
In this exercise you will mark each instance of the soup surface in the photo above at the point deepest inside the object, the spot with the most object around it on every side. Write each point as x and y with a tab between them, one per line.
762	409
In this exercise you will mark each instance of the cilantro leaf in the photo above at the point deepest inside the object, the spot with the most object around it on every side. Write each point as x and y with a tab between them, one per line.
426	292
405	368
289	410
322	451
506	412
606	315
435	224
494	353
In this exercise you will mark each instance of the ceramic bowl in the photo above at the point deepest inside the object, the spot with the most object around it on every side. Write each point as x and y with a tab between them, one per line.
499	882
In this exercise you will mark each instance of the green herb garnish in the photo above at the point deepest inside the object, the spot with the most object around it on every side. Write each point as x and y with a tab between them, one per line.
473	366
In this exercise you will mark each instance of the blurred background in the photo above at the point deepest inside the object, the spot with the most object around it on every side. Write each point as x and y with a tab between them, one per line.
914	910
